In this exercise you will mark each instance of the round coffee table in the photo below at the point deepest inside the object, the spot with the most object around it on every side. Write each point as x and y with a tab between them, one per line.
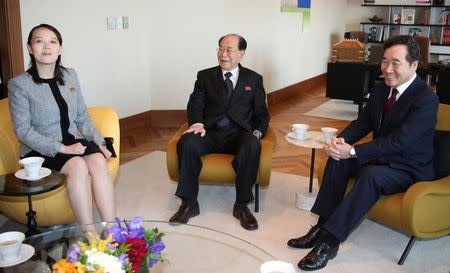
10	185
189	248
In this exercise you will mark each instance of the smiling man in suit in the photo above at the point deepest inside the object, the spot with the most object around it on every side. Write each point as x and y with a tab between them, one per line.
227	113
401	115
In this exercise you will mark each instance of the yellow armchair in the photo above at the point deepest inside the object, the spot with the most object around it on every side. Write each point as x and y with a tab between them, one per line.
53	207
217	167
423	210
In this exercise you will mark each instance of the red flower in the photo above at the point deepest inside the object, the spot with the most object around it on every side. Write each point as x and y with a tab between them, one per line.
136	252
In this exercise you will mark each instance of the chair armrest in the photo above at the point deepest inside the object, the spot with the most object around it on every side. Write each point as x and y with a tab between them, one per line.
269	138
106	122
425	208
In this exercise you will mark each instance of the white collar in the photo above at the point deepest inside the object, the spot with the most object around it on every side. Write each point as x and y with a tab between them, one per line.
402	87
235	72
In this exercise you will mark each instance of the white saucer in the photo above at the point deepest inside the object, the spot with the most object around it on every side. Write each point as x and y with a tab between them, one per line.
305	137
321	140
43	172
26	251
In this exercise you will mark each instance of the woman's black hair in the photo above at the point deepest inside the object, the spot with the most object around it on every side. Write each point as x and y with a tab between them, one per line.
58	73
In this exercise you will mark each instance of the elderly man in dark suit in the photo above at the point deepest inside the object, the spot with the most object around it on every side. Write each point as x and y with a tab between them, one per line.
401	115
227	113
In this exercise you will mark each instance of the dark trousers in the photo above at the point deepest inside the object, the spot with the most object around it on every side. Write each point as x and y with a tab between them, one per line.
244	145
343	213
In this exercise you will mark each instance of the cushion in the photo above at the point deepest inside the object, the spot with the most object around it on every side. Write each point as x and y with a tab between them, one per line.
442	153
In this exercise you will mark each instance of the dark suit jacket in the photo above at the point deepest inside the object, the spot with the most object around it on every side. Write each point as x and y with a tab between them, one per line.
403	139
247	105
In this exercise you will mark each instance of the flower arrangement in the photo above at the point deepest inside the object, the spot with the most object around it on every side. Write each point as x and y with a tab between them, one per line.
128	248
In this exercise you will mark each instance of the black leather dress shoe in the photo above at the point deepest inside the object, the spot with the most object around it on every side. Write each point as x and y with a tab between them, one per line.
318	257
186	211
307	241
243	214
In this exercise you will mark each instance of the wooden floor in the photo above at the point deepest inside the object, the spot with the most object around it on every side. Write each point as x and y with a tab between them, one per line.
139	139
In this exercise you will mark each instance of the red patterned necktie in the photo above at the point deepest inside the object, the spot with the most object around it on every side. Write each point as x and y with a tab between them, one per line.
390	102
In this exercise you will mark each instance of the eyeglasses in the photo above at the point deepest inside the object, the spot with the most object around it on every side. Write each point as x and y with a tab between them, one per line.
227	50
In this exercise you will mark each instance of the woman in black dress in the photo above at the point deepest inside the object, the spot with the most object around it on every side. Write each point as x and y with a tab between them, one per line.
51	120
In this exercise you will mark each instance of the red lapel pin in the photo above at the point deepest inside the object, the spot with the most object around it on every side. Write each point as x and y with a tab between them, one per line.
248	88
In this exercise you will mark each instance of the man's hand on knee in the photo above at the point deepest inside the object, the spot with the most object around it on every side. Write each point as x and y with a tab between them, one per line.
196	128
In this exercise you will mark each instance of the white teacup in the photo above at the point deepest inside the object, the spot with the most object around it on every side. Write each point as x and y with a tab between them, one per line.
277	267
32	165
329	133
10	243
300	129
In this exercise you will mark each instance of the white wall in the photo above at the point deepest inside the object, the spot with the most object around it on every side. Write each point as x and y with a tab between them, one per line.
153	64
113	66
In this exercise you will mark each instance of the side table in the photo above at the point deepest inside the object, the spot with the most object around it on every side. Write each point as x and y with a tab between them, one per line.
312	143
10	185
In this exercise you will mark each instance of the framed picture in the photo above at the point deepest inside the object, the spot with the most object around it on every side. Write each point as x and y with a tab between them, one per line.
408	16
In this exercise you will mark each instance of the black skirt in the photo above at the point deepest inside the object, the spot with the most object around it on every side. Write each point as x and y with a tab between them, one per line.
57	162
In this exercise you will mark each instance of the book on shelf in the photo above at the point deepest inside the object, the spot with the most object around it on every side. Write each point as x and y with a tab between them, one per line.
408	16
397	18
385	33
394	31
444	16
426	17
380	33
422	2
446	35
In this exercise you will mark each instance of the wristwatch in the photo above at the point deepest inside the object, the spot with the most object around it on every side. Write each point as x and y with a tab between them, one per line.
257	134
352	152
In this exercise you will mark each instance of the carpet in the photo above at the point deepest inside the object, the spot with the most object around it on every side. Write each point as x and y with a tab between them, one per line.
335	109
144	188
